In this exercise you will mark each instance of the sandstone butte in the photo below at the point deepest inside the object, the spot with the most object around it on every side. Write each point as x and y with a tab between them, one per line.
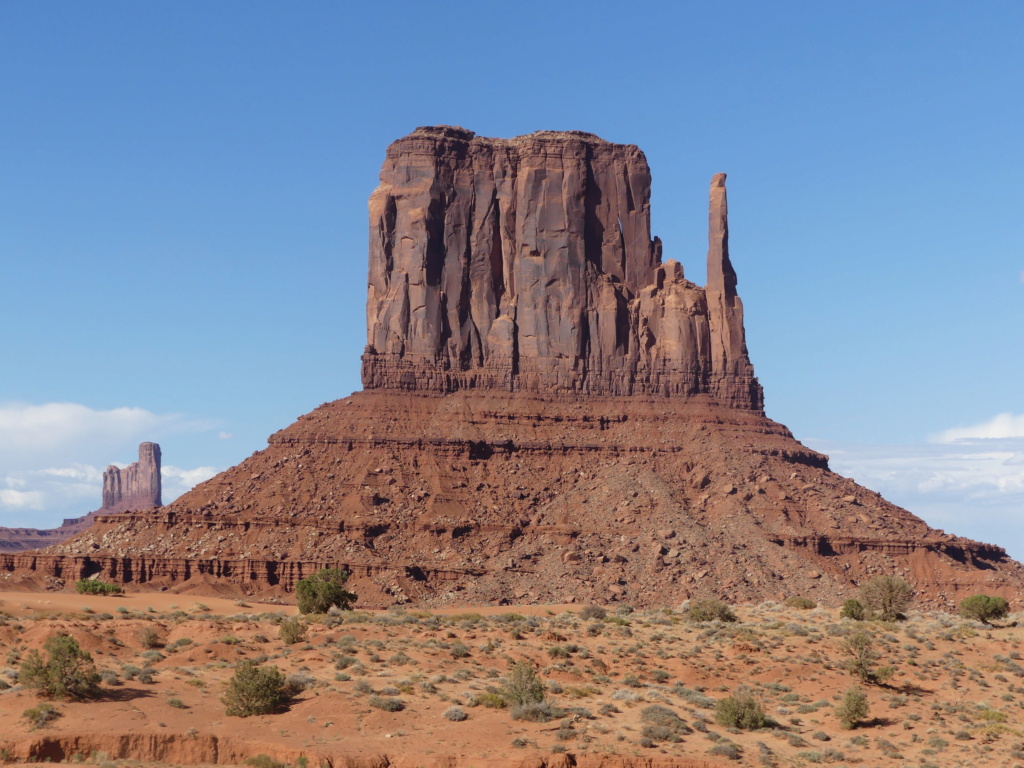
551	413
137	486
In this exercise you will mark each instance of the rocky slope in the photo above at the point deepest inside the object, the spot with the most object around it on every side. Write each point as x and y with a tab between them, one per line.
137	486
551	413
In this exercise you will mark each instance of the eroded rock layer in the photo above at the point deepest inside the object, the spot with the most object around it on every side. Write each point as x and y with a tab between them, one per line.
480	496
527	264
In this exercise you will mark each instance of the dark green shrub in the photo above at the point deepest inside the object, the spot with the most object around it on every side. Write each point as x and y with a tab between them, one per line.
853	709
984	608
255	690
40	715
522	685
264	761
852	609
324	590
709	609
68	672
803	603
741	710
292	631
860	647
94	587
887	597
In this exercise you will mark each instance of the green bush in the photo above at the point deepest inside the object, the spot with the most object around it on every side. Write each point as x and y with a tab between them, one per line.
255	690
94	587
803	603
741	710
324	590
292	631
709	609
984	608
40	715
264	761
853	709
860	647
887	597
68	672
852	609
522	685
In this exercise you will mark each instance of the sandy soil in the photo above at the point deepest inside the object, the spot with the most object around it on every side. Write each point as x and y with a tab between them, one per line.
956	698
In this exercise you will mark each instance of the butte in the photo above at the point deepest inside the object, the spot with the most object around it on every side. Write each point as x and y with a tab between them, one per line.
551	413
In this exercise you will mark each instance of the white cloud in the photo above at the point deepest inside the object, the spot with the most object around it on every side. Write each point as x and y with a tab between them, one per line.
177	481
224	435
1005	425
21	499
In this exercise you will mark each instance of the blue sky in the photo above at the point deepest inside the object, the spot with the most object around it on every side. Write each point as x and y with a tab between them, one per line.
183	215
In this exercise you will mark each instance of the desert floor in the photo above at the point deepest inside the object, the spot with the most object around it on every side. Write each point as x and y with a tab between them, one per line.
956	699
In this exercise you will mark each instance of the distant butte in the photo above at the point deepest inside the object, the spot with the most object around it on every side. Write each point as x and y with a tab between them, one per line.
137	486
551	413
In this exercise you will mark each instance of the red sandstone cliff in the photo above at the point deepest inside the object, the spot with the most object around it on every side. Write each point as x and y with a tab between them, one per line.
527	264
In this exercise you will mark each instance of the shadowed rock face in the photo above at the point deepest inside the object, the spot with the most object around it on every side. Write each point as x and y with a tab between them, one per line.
527	264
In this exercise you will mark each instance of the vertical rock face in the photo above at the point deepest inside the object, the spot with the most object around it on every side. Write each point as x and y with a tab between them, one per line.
527	264
137	486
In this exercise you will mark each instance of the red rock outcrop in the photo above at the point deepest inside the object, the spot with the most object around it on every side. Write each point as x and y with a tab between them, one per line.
550	414
137	486
527	265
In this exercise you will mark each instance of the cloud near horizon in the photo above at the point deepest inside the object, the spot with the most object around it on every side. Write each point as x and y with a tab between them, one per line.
1002	426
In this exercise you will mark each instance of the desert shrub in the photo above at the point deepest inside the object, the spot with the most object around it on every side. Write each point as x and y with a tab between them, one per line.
590	612
803	603
522	685
255	690
852	609
324	589
94	587
709	609
860	647
661	723
455	714
40	715
887	597
68	672
387	703
536	712
264	761
459	650
149	638
292	631
176	703
984	608
725	749
741	710
853	709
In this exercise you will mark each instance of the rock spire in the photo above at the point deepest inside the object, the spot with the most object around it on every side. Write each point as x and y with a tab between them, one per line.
527	264
137	486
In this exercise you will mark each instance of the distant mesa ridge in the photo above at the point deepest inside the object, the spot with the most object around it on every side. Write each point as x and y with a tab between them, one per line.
137	486
527	265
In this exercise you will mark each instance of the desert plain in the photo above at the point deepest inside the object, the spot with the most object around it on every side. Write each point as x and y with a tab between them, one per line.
625	687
